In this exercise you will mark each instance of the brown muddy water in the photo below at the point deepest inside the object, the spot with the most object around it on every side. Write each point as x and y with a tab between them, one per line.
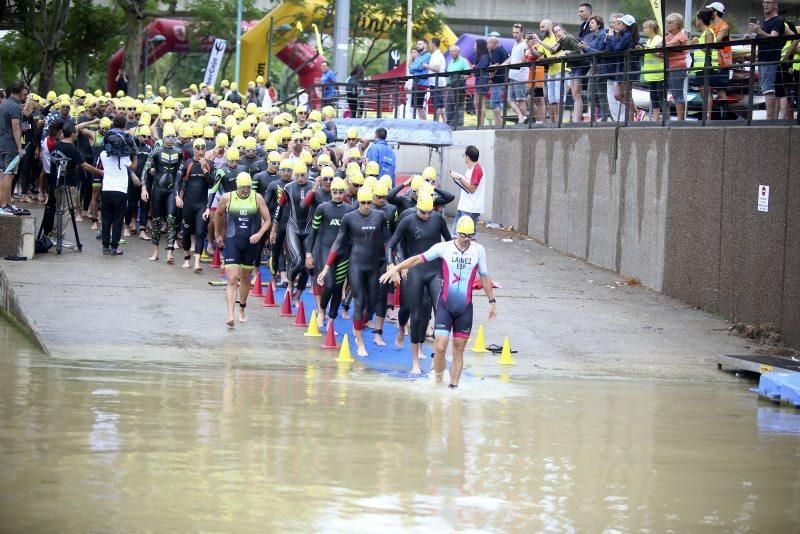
112	447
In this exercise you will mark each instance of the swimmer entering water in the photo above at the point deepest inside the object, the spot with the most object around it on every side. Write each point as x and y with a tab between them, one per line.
461	259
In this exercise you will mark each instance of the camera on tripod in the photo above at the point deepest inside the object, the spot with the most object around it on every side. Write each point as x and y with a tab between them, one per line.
61	203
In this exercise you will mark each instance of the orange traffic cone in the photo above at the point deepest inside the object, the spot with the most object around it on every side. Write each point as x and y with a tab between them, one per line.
330	337
216	261
300	318
286	309
255	290
269	298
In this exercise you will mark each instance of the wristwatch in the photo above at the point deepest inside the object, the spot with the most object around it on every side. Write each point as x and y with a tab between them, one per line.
492	301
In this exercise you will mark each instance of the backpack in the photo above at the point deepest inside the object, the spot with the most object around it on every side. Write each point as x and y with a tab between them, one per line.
116	144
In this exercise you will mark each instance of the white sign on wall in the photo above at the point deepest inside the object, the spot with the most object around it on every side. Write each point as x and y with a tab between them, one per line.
763	198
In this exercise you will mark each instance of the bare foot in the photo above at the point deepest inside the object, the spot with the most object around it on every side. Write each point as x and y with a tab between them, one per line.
320	318
170	257
94	226
154	257
126	232
379	340
361	350
230	322
242	318
186	264
78	218
415	369
345	314
398	341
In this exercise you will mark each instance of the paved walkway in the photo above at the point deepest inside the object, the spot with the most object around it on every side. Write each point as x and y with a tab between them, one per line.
563	316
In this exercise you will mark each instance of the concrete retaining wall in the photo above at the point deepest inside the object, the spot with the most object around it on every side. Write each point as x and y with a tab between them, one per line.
678	213
10	309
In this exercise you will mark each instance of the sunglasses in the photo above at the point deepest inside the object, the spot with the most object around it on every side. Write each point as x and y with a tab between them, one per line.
328	179
301	175
273	162
286	170
131	109
380	197
422	212
357	185
364	202
461	234
338	191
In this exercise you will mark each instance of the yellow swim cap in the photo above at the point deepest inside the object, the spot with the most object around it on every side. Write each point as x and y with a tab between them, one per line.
232	154
386	179
425	202
416	182
352	168
352	133
222	139
365	194
300	168
274	157
306	157
328	111
169	130
208	132
465	225
326	172
199	143
105	123
370	181
324	159
373	168
271	143
356	178
243	180
338	184
429	173
250	143
380	189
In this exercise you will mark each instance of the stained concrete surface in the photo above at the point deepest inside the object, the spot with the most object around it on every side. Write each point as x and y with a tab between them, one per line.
565	317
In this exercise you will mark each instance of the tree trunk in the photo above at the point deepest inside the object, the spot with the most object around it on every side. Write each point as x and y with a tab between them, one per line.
48	32
81	71
134	28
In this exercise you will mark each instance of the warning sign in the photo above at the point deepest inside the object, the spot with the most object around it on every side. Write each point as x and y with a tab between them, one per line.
763	198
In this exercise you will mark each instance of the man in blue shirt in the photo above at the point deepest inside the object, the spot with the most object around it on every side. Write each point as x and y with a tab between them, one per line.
382	154
328	82
420	85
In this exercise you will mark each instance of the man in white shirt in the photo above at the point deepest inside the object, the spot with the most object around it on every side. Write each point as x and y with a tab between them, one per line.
473	187
437	65
115	196
518	78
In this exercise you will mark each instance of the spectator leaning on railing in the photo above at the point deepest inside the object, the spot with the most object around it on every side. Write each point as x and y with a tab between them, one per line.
536	78
771	25
568	44
653	68
482	61
676	63
593	42
420	84
721	34
705	72
498	56
456	87
437	65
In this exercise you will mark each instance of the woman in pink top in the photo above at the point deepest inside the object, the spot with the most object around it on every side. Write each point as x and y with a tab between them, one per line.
677	62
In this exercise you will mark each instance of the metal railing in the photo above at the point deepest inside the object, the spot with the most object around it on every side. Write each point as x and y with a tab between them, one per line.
461	92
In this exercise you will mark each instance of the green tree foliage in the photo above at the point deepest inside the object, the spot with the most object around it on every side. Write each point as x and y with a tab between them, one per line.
91	31
640	9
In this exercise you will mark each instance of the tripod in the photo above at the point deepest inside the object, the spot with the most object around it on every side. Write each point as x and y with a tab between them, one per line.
61	202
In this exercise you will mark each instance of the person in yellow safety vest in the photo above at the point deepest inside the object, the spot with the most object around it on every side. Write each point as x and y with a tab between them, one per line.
653	68
701	68
787	75
722	34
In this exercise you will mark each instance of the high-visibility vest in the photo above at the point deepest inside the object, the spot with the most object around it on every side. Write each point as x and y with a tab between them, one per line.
795	61
653	69
700	55
725	54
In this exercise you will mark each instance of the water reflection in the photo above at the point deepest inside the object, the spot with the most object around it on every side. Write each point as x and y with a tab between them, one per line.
338	448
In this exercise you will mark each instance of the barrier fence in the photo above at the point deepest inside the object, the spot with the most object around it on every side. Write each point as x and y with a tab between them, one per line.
642	84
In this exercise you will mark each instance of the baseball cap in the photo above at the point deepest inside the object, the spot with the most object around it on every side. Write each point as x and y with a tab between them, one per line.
628	20
717	6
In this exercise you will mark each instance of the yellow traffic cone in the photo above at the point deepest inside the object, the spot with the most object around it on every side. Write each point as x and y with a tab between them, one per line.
505	356
313	329
480	341
344	352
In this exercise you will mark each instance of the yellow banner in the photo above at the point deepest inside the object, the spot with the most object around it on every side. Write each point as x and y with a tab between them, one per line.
656	5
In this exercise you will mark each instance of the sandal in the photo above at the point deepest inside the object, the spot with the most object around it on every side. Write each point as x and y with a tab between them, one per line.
497	349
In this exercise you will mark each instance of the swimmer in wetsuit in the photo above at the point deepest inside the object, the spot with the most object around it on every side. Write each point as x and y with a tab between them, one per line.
277	239
406	199
421	286
194	179
160	173
224	182
462	259
242	217
324	230
298	200
366	232
379	192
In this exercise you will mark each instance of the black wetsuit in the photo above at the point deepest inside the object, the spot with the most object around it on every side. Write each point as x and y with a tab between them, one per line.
193	186
322	196
254	165
324	230
293	200
404	201
423	284
390	211
261	181
135	193
277	261
224	182
366	235
162	185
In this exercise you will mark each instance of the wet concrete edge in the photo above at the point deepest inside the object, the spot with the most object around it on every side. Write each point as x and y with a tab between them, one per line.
12	311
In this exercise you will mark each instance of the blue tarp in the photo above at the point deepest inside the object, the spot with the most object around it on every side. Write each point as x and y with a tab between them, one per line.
780	387
402	131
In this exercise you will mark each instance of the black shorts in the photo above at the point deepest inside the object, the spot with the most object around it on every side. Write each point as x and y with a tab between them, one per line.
418	96
239	251
537	92
785	81
446	321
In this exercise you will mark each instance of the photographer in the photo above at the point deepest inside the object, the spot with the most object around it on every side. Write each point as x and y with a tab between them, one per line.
65	160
